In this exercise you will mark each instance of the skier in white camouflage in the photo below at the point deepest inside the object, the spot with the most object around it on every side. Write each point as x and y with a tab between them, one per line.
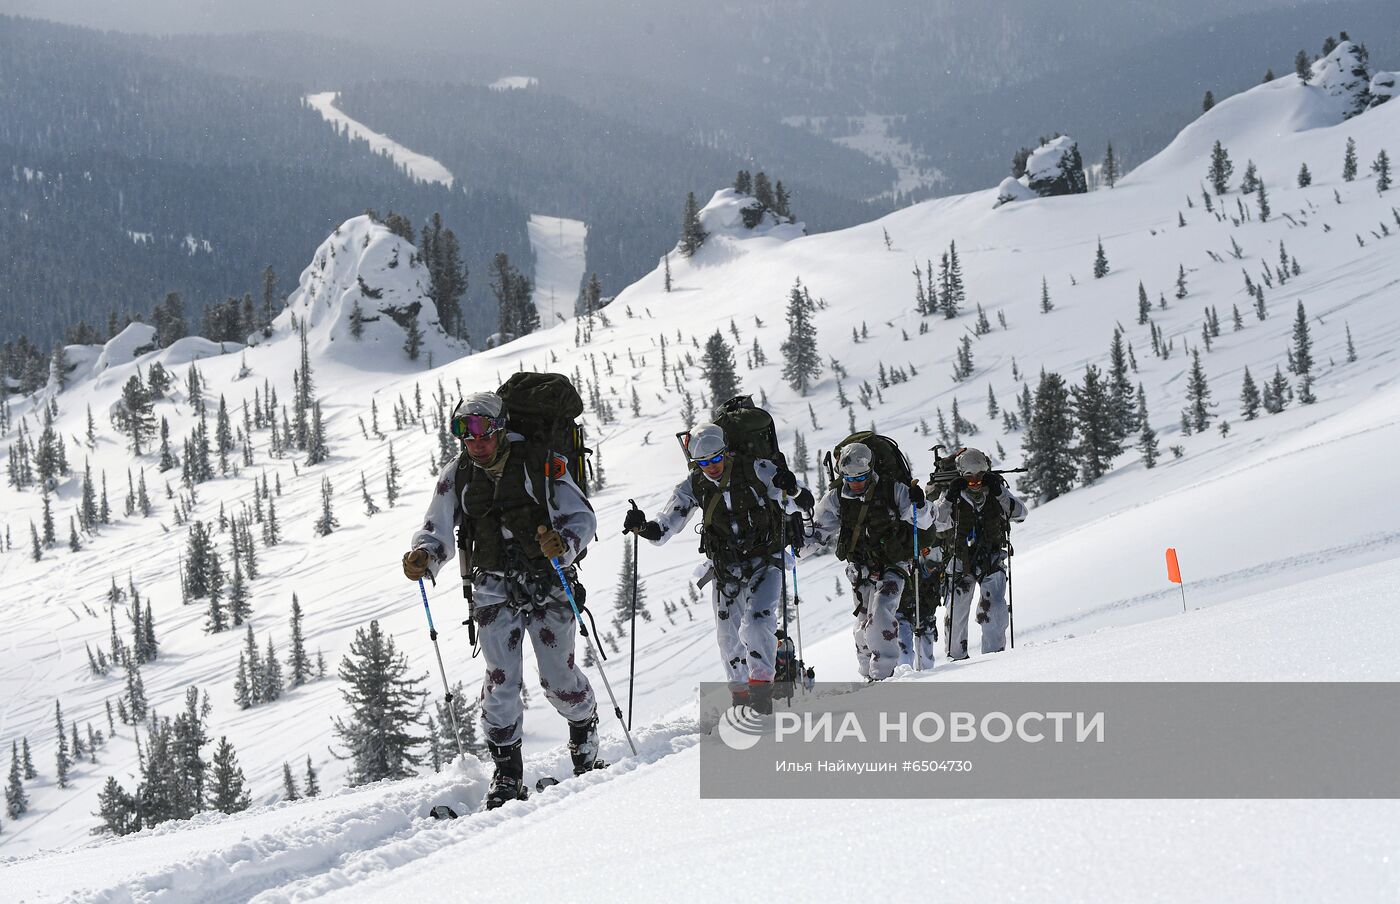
745	504
977	508
515	507
868	518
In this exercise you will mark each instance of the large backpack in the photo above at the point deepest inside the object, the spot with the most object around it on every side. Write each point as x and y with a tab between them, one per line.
887	459
749	430
544	408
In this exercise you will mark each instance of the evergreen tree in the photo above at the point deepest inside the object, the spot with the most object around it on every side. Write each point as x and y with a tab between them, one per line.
216	621
1095	423
1381	167
717	365
1046	305
1198	394
1122	416
62	762
1351	347
1304	177
135	691
693	235
297	662
1100	262
622	600
1147	445
1349	161
1302	67
16	801
1144	305
954	294
1110	167
1250	180
242	686
272	674
1221	169
327	523
1249	397
30	772
384	704
289	784
1207	102
311	786
316	450
1262	197
117	809
1302	343
1048	442
803	364
227	791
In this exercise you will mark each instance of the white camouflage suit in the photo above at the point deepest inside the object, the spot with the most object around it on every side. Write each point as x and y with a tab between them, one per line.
544	612
876	629
746	610
964	572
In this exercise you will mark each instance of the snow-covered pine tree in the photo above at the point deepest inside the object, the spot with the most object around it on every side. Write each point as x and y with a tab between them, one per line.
1262	197
227	787
327	522
1249	397
384	704
1100	261
298	665
62	761
1046	305
717	365
1049	438
1221	169
310	786
803	363
272	674
1198	394
289	784
1109	172
1097	426
693	235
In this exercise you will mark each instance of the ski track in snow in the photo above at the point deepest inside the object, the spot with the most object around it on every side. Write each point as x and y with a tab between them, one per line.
419	166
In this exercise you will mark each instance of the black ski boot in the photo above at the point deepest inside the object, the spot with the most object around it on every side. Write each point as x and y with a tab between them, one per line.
583	744
761	697
508	782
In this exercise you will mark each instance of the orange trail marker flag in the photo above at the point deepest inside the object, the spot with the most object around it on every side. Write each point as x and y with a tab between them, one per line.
1174	574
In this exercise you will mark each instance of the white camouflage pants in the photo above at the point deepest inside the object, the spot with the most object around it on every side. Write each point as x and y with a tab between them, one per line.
907	640
876	630
746	617
501	630
991	604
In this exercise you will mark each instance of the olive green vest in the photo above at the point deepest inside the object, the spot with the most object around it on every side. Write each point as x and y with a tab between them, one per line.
871	532
489	505
759	518
982	530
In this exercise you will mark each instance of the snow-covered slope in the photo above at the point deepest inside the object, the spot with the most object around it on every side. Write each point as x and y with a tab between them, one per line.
1245	510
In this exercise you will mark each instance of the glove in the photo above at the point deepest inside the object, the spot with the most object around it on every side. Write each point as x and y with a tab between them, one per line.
551	544
650	530
916	495
955	489
805	500
633	520
994	483
415	564
786	481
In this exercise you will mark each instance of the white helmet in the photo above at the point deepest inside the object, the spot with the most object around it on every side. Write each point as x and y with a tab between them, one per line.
487	404
706	441
855	460
972	461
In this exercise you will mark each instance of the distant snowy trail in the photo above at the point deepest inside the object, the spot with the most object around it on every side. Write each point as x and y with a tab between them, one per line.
420	166
559	244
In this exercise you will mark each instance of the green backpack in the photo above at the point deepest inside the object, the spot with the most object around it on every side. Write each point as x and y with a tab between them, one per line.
748	430
887	459
544	408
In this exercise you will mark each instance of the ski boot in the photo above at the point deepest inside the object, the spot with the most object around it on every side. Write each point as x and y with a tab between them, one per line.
583	744
508	782
761	696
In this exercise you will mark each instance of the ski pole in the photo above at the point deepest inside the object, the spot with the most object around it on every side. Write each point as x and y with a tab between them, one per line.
447	691
583	629
918	610
632	665
1010	609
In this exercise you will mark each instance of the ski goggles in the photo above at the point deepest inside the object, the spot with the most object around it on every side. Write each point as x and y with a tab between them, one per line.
975	480
856	478
712	460
476	426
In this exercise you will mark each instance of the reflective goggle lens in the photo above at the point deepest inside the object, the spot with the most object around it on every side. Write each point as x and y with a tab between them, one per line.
856	479
475	426
713	460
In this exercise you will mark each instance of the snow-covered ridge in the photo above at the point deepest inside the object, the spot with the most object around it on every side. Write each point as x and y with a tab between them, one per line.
514	83
419	166
560	245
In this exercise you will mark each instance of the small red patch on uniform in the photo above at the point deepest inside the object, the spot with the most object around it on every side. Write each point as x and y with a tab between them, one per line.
556	467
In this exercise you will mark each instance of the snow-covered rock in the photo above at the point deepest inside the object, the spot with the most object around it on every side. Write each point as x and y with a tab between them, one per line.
724	215
363	264
1383	87
1012	189
1055	168
1342	75
132	342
